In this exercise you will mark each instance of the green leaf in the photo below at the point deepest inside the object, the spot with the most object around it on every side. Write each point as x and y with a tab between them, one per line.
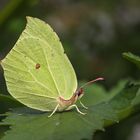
136	60
7	102
133	58
33	125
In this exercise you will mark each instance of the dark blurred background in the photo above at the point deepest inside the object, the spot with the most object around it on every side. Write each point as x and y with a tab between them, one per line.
94	34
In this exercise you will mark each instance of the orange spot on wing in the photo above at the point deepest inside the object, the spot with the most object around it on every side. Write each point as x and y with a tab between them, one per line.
37	66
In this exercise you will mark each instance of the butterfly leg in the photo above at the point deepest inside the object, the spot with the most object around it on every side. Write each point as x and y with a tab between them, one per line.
77	109
53	111
83	105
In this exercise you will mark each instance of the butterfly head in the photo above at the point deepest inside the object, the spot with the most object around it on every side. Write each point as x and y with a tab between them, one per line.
79	93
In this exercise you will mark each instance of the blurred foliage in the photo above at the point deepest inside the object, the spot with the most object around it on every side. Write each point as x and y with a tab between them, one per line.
99	31
7	102
93	33
133	58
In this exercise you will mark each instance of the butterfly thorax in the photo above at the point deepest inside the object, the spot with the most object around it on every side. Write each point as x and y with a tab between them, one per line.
66	104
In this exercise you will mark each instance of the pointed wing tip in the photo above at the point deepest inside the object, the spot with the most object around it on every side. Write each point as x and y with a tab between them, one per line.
28	18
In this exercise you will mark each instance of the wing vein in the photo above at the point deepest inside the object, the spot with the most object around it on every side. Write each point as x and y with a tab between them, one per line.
46	60
35	63
40	83
50	72
32	76
30	93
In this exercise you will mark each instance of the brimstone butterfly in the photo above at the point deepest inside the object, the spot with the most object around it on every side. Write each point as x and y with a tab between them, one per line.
38	72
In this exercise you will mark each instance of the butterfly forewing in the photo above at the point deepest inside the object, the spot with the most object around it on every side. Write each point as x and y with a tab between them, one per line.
36	70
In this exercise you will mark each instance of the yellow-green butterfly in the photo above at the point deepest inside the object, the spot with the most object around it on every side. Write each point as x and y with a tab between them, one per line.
38	72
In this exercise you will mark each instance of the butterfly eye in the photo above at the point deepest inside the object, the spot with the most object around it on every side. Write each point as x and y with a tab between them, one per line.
80	95
80	92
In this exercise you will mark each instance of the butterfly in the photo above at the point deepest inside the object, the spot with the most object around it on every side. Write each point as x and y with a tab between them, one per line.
38	73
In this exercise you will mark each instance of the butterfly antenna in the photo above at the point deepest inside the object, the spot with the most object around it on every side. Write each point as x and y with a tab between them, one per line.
92	81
